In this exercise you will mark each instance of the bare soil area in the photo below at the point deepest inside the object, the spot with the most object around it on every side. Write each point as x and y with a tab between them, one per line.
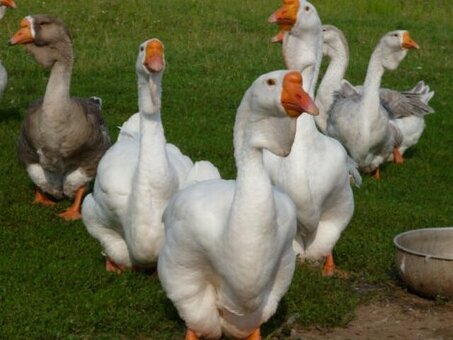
401	315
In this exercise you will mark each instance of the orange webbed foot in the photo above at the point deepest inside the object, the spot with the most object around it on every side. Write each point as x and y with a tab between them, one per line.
70	215
41	198
330	269
112	267
255	335
190	335
73	212
329	266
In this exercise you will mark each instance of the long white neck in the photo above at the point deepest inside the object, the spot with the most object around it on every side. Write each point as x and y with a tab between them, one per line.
57	94
153	182
2	12
251	227
331	82
312	73
303	52
370	102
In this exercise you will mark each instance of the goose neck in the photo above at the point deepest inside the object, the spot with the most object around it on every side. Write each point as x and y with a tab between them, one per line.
253	197
372	84
335	71
152	183
252	215
149	93
331	82
58	86
302	51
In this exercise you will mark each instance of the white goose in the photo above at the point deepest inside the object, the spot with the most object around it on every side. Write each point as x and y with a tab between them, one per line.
406	108
138	175
358	120
227	259
4	5
316	173
335	47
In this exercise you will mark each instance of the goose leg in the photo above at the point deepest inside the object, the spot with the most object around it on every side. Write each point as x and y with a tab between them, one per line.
73	212
377	173
255	335
329	266
397	156
190	335
41	198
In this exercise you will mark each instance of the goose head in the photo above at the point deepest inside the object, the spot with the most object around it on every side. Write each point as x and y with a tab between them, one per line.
274	102
297	17
307	19
393	48
151	58
285	17
335	42
150	66
45	37
4	4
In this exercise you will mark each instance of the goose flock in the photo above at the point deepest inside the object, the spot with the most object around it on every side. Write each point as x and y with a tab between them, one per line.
225	250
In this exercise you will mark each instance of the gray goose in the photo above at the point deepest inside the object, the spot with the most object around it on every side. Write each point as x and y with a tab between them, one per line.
406	109
359	120
62	138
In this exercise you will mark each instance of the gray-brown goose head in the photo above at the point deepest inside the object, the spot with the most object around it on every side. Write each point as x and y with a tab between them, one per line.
45	37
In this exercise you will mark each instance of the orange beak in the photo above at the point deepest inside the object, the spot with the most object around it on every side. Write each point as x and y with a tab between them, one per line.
281	34
154	56
8	3
285	17
294	99
24	35
408	43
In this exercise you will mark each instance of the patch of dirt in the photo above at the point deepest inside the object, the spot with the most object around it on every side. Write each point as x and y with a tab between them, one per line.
400	316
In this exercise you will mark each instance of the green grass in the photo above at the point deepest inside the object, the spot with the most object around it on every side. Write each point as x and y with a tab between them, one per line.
52	280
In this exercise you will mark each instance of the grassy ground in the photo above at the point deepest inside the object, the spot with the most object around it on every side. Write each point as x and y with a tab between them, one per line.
53	283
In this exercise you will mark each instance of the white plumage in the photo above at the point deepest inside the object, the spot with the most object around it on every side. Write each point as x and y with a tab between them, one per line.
138	175
316	173
227	258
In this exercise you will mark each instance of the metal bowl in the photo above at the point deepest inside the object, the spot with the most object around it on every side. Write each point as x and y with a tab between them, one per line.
424	258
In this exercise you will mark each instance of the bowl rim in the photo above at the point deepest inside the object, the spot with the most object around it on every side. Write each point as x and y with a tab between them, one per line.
417	253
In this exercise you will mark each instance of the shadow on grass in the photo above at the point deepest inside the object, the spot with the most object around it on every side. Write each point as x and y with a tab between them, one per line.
410	153
279	324
10	113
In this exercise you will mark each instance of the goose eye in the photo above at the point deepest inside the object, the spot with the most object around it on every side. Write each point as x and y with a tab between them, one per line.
307	8
395	34
142	48
271	82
